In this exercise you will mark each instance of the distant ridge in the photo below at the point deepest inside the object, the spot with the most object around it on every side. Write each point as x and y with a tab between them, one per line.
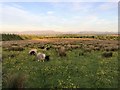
46	32
95	32
52	32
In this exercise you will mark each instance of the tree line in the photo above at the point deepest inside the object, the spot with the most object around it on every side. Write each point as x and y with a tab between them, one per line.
10	37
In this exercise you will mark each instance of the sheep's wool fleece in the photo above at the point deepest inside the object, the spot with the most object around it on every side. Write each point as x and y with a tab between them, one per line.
35	50
41	56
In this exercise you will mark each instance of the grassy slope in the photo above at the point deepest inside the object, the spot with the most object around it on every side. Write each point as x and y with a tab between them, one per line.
89	70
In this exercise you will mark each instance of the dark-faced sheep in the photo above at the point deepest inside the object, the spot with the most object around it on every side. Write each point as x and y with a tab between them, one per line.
47	58
33	52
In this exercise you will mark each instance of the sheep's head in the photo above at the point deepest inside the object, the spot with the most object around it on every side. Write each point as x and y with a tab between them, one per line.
47	58
32	53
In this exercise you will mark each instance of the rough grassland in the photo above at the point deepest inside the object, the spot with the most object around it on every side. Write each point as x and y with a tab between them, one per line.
81	68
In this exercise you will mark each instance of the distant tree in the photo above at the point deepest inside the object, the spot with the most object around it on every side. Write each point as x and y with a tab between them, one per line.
9	37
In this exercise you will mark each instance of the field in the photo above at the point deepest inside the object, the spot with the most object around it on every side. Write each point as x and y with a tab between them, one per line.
84	66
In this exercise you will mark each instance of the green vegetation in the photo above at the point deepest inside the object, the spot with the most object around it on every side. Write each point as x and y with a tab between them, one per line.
101	37
10	37
83	66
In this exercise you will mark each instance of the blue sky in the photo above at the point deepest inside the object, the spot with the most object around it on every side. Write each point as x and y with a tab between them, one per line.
59	16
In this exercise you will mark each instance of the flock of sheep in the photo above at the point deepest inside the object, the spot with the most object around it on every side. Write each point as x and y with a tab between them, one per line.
43	57
39	56
61	51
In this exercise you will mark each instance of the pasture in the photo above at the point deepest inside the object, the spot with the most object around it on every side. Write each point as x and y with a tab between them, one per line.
84	65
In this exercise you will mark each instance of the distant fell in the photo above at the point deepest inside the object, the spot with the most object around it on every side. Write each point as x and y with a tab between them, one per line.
52	32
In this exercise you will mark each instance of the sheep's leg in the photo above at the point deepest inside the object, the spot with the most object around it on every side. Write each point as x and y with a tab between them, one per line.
42	60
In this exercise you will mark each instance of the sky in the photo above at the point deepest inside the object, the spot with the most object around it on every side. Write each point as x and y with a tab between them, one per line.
59	16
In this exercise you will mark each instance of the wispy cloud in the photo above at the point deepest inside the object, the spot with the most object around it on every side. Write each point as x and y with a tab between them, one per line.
50	12
108	6
13	18
59	0
81	6
60	16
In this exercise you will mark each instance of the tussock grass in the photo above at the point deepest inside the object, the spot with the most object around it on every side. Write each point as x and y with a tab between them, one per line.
78	69
14	80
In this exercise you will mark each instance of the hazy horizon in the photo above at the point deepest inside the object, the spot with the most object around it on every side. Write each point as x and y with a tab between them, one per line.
59	16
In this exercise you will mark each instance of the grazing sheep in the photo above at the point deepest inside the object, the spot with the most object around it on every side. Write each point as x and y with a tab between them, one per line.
42	57
107	54
33	52
62	51
39	56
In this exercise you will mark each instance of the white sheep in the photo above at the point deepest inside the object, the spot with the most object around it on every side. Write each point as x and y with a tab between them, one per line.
42	57
33	52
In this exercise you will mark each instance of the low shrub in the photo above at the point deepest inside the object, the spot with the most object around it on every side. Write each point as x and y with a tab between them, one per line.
16	80
107	54
15	48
